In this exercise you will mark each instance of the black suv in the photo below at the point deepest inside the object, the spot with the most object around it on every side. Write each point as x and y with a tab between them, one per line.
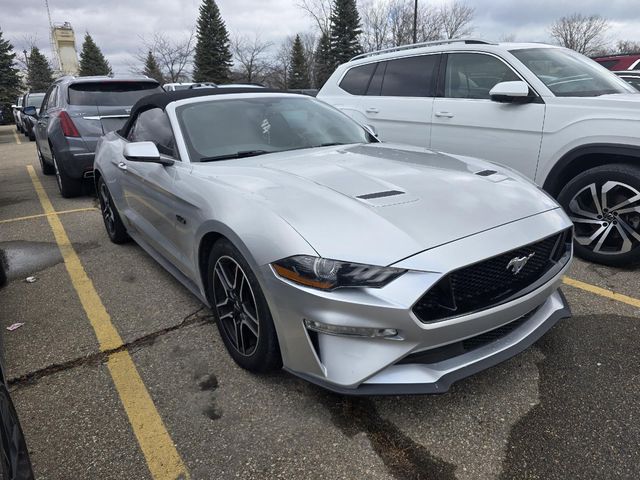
75	113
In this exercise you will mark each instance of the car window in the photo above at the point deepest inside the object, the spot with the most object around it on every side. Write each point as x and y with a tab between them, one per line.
633	81
50	98
357	79
473	75
569	74
375	85
608	64
410	77
110	94
35	100
153	126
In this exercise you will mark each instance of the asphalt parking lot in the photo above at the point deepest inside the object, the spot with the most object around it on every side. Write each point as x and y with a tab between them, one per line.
118	372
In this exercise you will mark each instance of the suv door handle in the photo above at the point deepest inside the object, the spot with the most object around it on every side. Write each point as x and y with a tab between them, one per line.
372	110
122	166
444	114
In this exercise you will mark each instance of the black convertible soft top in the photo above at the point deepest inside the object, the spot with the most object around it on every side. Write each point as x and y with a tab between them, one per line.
162	99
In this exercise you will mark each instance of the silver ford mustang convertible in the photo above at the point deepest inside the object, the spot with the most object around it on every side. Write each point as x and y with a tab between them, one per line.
364	267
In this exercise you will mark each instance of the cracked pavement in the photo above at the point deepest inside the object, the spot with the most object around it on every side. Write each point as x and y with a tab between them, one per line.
566	408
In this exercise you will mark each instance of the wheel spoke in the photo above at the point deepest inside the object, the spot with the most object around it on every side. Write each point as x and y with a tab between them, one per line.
223	278
603	238
629	210
626	242
588	240
251	327
585	220
629	228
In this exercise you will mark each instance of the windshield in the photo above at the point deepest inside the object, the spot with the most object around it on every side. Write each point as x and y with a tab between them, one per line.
35	100
233	128
569	74
110	93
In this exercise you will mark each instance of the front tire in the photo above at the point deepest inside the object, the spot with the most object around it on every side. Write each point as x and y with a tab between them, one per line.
69	187
604	205
112	221
241	310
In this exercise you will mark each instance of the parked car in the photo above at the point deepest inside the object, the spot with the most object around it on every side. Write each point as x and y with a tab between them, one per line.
76	112
349	261
16	109
172	87
632	77
552	114
619	62
203	85
30	99
14	455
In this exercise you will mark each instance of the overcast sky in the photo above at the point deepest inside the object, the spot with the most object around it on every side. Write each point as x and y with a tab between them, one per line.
117	25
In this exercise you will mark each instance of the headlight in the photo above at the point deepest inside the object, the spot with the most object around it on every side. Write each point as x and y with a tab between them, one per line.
326	274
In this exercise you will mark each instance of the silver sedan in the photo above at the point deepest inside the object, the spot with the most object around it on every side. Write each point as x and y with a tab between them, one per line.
364	267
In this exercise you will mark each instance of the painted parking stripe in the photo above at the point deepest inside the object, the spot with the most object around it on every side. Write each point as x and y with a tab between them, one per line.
15	135
40	215
162	458
603	292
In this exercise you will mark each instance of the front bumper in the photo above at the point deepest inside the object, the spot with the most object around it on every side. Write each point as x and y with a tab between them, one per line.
362	365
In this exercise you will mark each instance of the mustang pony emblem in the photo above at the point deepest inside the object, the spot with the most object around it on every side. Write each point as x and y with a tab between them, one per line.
517	263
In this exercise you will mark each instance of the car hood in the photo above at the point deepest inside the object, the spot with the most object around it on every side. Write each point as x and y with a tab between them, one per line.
380	203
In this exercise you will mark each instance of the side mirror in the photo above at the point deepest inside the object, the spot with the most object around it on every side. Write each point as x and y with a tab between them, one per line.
371	129
510	92
144	152
31	111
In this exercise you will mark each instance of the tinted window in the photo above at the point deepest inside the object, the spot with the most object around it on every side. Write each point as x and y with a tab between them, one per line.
375	85
410	77
473	75
569	74
633	81
213	128
35	99
110	94
153	126
608	63
357	79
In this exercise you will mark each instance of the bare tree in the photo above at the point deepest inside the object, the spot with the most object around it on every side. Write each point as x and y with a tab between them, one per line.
627	47
173	56
320	12
586	35
375	25
456	18
309	41
281	66
249	54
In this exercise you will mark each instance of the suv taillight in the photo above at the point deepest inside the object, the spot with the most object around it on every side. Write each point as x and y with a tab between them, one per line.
68	128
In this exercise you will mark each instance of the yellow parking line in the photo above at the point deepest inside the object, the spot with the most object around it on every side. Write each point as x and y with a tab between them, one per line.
162	458
15	135
603	292
40	215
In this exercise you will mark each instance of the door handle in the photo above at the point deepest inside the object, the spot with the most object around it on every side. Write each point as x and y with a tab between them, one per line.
372	110
444	114
122	166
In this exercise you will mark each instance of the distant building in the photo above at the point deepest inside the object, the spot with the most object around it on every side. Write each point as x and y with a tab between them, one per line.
64	43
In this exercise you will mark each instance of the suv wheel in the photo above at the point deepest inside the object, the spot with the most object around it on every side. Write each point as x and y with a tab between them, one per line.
604	205
47	168
115	228
69	187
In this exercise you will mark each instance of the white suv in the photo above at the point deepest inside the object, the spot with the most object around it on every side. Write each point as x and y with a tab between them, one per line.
556	116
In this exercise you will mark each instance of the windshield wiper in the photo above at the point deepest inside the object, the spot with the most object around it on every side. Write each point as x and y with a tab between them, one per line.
240	154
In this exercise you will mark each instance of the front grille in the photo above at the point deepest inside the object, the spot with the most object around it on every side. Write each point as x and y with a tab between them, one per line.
446	352
491	282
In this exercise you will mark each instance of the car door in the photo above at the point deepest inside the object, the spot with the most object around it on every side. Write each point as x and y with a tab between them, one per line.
467	122
148	188
42	123
399	99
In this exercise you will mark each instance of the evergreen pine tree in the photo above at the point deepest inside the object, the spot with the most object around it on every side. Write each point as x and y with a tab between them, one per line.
345	29
92	61
324	62
151	68
39	74
299	77
212	59
9	78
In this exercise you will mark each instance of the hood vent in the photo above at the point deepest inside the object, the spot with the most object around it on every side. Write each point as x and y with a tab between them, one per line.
387	193
486	173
